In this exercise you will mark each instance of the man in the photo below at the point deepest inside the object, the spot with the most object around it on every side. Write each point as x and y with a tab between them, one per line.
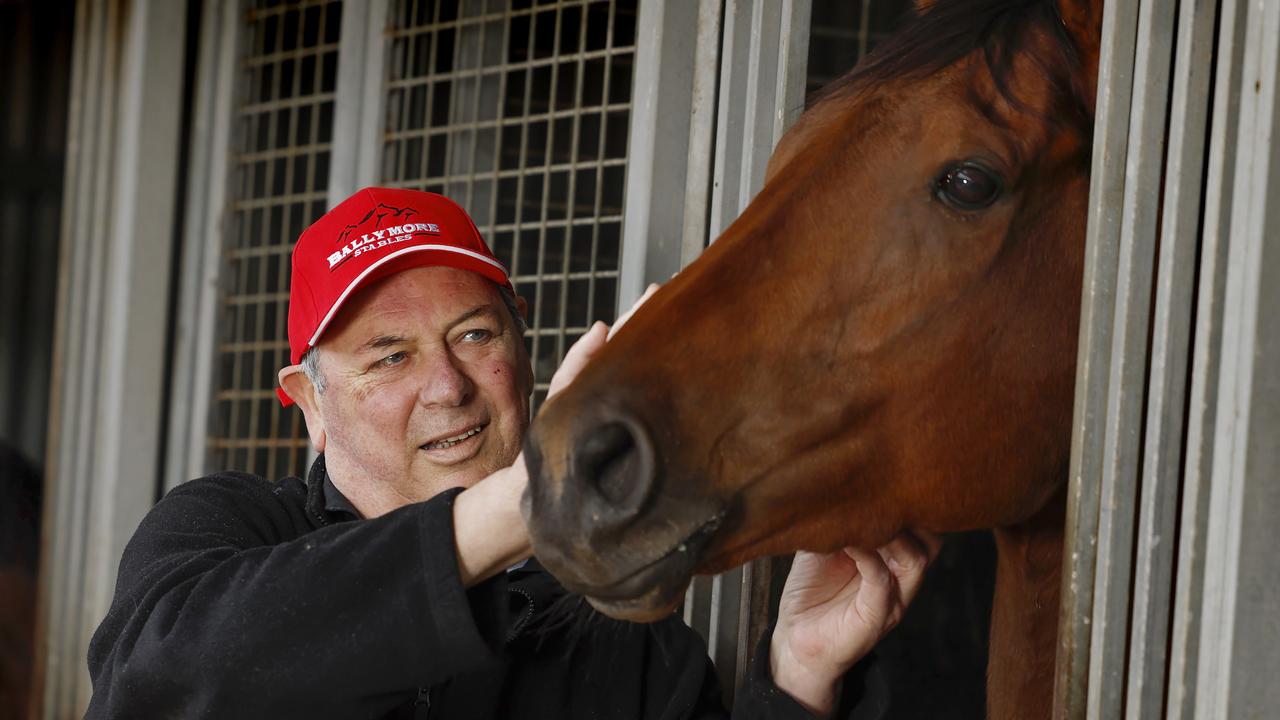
390	583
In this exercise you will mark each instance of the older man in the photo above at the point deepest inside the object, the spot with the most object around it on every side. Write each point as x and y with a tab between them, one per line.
390	583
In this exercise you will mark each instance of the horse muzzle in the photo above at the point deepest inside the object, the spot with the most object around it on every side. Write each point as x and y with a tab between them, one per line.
601	516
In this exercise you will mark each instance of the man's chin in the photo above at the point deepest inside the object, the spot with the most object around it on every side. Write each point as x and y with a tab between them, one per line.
435	479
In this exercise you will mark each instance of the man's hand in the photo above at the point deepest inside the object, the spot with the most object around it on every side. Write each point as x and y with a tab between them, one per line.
489	531
836	607
588	345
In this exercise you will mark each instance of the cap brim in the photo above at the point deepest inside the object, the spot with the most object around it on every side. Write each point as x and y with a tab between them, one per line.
404	259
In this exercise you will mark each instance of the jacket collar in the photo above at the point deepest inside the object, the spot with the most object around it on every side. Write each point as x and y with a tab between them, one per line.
325	502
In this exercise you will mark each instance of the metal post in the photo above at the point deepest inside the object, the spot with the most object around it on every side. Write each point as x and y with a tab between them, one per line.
1126	387
671	105
1093	377
202	240
104	458
1167	385
1239	637
1206	361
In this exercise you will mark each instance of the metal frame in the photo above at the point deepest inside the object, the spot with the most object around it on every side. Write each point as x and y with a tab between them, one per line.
117	230
202	244
1175	454
362	55
1239	638
1206	358
1106	197
1122	449
673	101
1170	354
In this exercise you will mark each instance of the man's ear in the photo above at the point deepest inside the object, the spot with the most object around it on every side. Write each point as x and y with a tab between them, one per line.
526	372
298	387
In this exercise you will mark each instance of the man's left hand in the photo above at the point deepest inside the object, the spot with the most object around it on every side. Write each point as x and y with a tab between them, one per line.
836	606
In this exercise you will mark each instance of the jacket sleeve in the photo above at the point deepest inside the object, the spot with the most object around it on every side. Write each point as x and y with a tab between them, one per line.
759	698
214	616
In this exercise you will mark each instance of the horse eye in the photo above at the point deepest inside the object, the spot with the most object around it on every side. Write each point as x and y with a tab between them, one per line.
968	187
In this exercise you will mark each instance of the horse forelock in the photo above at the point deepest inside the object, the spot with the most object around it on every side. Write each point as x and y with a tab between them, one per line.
949	31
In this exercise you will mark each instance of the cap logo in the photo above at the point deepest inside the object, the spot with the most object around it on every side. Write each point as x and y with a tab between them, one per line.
372	236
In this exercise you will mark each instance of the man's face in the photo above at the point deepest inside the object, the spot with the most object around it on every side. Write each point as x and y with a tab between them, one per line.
427	388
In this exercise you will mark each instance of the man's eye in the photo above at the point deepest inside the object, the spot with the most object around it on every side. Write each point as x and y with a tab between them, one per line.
393	359
476	336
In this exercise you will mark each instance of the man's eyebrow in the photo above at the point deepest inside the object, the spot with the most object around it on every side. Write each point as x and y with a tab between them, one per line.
379	342
473	312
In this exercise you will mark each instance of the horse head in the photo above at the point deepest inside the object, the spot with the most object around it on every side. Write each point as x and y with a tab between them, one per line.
885	339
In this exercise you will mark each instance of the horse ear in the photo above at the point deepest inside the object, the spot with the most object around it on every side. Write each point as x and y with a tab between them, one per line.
1083	22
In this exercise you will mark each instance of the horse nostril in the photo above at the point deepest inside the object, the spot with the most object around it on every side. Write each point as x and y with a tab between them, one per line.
616	458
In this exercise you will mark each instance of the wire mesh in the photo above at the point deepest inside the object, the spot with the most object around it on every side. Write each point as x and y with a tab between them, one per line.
519	111
842	31
278	177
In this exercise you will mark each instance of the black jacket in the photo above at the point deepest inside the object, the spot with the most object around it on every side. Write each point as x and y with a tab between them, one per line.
241	598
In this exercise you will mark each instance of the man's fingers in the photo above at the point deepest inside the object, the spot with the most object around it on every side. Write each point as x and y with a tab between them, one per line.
907	558
577	356
622	320
932	542
875	596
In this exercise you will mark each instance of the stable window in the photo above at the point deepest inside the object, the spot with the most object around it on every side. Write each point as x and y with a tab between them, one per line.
520	113
278	175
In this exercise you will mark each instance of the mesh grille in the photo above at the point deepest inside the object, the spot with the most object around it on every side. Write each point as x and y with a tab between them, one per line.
842	31
519	112
279	172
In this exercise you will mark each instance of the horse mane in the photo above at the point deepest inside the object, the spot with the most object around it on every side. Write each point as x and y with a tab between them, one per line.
949	30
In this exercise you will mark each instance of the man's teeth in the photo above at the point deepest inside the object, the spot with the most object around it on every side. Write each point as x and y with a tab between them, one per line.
449	442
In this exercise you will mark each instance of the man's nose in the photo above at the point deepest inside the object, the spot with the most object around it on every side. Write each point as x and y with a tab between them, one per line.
446	383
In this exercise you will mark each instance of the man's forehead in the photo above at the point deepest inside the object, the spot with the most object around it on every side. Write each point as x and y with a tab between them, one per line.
412	297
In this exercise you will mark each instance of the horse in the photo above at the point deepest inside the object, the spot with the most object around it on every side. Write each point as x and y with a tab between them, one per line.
885	339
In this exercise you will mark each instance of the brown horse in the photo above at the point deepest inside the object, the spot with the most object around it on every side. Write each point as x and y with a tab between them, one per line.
885	339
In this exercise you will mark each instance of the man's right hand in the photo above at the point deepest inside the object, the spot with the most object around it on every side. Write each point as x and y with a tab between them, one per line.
489	531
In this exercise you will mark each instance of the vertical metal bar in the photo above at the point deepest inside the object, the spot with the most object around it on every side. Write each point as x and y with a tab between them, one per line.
1106	198
93	214
1122	449
730	121
702	124
104	451
713	624
58	576
864	26
190	384
1239	636
368	142
1163	444
793	66
761	84
361	63
1206	359
667	42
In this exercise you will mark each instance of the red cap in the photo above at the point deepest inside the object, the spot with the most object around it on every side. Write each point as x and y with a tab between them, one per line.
369	236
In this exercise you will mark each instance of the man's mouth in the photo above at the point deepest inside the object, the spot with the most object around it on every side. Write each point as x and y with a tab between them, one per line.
450	441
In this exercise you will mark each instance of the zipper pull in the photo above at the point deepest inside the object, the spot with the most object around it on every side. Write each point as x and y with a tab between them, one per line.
422	704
